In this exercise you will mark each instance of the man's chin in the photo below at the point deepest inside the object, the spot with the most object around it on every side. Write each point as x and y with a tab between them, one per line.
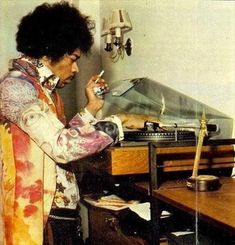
63	84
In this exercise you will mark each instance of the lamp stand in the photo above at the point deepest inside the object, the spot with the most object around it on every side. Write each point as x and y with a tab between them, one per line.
202	182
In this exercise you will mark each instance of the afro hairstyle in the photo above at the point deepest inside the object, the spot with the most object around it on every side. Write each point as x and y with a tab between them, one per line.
53	30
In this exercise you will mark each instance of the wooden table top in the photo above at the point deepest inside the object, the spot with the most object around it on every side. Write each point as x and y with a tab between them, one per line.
216	207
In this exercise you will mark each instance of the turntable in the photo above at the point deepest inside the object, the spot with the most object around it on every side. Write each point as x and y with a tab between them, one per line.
153	132
178	113
179	120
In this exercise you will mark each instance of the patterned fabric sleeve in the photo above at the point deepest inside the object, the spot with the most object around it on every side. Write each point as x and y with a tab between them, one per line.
111	125
19	104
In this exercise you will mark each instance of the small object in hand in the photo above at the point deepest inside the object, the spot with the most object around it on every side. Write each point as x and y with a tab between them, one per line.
99	91
99	76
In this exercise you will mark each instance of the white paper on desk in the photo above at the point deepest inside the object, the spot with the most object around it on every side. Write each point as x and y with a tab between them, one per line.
182	233
143	210
112	202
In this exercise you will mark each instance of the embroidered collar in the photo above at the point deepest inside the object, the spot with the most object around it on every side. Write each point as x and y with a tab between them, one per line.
45	76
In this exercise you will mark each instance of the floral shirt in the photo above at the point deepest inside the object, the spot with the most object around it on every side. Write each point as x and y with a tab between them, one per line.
33	137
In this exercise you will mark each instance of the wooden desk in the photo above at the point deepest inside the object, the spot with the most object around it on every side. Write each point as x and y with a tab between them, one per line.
216	207
129	160
175	157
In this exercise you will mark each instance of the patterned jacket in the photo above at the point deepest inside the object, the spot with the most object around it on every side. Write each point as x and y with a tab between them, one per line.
33	138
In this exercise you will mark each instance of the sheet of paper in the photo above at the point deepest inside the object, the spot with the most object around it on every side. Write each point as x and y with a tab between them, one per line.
143	210
182	233
112	202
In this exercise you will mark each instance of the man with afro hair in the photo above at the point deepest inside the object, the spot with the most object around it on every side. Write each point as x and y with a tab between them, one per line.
39	193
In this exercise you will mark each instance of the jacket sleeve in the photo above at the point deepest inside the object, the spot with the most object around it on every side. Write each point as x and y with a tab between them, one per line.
20	105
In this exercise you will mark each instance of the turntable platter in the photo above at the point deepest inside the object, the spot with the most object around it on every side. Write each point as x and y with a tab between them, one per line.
159	136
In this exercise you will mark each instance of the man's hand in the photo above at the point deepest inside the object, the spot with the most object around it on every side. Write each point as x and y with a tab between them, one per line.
135	121
94	103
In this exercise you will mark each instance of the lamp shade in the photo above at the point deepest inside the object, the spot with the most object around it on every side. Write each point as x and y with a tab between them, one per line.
106	27
120	19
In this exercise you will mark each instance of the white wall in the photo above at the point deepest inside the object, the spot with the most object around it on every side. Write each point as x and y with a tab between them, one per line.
185	44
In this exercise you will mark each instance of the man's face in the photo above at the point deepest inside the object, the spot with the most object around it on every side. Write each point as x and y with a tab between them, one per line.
66	68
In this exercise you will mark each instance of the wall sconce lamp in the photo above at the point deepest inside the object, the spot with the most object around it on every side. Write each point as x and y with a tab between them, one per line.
113	30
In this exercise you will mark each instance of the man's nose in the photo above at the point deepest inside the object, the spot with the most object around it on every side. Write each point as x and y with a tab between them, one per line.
75	68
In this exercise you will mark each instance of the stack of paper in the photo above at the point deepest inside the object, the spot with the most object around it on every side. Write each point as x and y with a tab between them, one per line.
112	202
